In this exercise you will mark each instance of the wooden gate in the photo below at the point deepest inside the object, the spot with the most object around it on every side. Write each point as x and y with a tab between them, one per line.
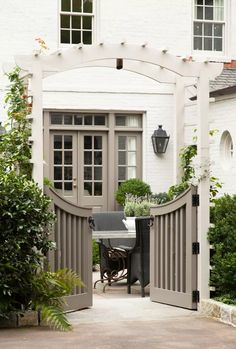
173	252
73	239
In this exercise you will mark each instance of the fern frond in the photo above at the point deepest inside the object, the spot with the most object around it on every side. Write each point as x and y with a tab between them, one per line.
55	317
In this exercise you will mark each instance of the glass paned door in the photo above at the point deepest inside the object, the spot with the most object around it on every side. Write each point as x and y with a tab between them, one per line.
93	169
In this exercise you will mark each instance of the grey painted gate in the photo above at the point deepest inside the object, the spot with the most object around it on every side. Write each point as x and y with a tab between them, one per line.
173	252
73	239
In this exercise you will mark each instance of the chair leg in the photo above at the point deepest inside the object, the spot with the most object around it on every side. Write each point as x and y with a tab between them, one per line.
128	273
142	292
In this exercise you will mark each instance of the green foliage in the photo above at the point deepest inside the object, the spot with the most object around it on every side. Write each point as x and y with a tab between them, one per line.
15	152
137	206
159	198
223	238
132	186
25	223
176	190
48	290
186	158
96	258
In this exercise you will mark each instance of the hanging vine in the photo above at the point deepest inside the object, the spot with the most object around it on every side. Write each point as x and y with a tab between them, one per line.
14	146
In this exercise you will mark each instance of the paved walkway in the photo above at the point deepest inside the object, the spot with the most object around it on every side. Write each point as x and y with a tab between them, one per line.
118	320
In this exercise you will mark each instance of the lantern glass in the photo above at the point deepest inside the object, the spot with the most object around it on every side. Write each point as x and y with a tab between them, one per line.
160	140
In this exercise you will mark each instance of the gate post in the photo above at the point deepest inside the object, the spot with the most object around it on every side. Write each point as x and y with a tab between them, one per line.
204	185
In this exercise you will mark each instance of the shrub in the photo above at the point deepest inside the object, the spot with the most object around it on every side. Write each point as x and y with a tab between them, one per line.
159	198
96	258
223	238
132	186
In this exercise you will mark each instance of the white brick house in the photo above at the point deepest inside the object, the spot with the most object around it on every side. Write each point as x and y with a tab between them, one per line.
83	107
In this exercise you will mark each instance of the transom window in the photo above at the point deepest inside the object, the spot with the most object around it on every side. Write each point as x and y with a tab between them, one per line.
79	119
76	21
128	120
208	27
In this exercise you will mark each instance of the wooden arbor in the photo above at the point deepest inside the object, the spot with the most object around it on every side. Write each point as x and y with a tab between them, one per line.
158	65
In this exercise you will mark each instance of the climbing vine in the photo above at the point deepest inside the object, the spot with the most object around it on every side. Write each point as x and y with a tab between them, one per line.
14	146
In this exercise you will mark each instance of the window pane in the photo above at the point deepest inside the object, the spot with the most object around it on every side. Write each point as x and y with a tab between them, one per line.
68	157
65	5
207	29
58	173
76	36
67	119
56	119
99	120
218	30
87	37
88	173
97	142
122	142
197	29
76	22
218	13
209	2
97	173
68	142
88	158
65	21
58	185
88	6
197	43
97	158
87	142
133	121
78	120
208	44
65	36
57	142
120	120
209	13
132	143
88	119
132	159
58	157
218	44
122	158
87	22
199	2
68	173
68	186
199	12
131	172
97	189
122	173
87	188
76	6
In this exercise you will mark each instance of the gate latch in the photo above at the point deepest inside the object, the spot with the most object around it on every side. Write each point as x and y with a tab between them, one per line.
196	248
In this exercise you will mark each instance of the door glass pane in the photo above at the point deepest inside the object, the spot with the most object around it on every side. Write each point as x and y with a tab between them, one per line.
97	158
131	172
58	173
87	188
131	143
97	189
87	142
122	158
68	173
68	186
132	159
88	173
97	142
88	158
122	142
97	173
122	173
58	185
68	142
68	157
58	157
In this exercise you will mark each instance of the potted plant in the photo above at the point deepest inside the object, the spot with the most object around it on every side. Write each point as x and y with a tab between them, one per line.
135	207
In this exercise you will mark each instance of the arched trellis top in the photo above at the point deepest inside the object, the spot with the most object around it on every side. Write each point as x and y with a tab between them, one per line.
76	57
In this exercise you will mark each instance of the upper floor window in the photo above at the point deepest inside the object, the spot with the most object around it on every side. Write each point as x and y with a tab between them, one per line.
76	21
208	27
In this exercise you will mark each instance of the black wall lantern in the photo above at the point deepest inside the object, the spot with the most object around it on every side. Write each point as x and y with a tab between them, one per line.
160	140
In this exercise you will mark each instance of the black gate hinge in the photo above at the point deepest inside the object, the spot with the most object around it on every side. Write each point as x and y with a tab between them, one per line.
196	296
195	248
195	200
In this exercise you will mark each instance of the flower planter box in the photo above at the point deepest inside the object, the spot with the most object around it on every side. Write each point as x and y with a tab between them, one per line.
28	318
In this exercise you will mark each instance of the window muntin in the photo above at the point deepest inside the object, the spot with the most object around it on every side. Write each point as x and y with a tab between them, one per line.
208	26
76	22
